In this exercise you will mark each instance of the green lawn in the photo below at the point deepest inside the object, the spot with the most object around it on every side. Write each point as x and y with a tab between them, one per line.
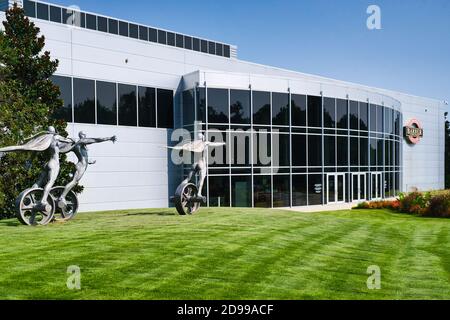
228	254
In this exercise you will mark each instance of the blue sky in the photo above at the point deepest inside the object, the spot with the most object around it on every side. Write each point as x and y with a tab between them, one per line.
411	53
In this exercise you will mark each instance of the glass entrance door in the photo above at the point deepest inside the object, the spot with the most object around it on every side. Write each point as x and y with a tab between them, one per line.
335	188
377	186
359	187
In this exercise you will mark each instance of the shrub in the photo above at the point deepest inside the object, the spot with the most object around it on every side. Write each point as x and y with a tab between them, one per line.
439	206
414	202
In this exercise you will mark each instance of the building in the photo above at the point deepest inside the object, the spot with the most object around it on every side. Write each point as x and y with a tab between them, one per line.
338	141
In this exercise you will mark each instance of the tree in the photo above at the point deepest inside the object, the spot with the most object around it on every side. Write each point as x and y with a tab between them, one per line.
28	101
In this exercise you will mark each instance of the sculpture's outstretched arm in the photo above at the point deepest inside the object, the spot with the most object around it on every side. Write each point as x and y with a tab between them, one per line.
87	141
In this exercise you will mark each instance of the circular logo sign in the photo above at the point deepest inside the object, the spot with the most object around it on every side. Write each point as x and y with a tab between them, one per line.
413	131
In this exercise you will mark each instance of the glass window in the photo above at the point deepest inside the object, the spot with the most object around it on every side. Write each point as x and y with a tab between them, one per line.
226	51
397	123
354	151
299	191
281	155
262	186
380	119
298	110
42	11
204	46
123	29
262	152
106	103
219	191
201	105
280	109
314	111
188	42
314	151
315	189
147	107
329	112
165	109
373	152
240	106
171	38
55	14
240	148
196	44
354	115
127	105
30	8
281	191
342	151
68	16
65	86
211	47
241	191
363	152
102	24
84	100
152	35
219	157
91	21
261	107
188	107
329	148
143	33
134	31
342	114
298	150
162	37
180	40
363	116
113	26
388	121
218	106
373	118
380	155
219	49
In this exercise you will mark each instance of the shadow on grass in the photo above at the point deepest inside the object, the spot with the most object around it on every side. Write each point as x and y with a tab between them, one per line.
10	223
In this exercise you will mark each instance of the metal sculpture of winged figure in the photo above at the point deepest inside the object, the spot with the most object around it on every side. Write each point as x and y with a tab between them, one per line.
39	204
188	196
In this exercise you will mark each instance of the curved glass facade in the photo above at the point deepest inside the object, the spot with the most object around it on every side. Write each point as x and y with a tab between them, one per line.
286	149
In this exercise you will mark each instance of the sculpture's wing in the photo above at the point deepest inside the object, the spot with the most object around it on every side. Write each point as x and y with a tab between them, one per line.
216	144
195	146
39	143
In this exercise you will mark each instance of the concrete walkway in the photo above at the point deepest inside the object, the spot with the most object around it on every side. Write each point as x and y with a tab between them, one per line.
330	207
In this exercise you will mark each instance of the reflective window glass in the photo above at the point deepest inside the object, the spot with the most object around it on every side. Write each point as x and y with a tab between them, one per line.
329	147
218	106
315	189
363	116
147	107
123	28
219	191
84	100
298	150
262	191
171	38
152	35
354	115
298	110
91	21
42	11
134	31
143	33
188	43
113	26
106	103
55	14
342	151
241	191
180	41
30	8
261	107
329	112
281	191
165	108
127	105
240	110
299	190
342	114
196	44
102	24
162	37
211	47
280	109
314	150
314	111
65	86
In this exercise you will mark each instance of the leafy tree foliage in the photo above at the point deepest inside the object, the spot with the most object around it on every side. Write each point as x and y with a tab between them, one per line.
28	101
